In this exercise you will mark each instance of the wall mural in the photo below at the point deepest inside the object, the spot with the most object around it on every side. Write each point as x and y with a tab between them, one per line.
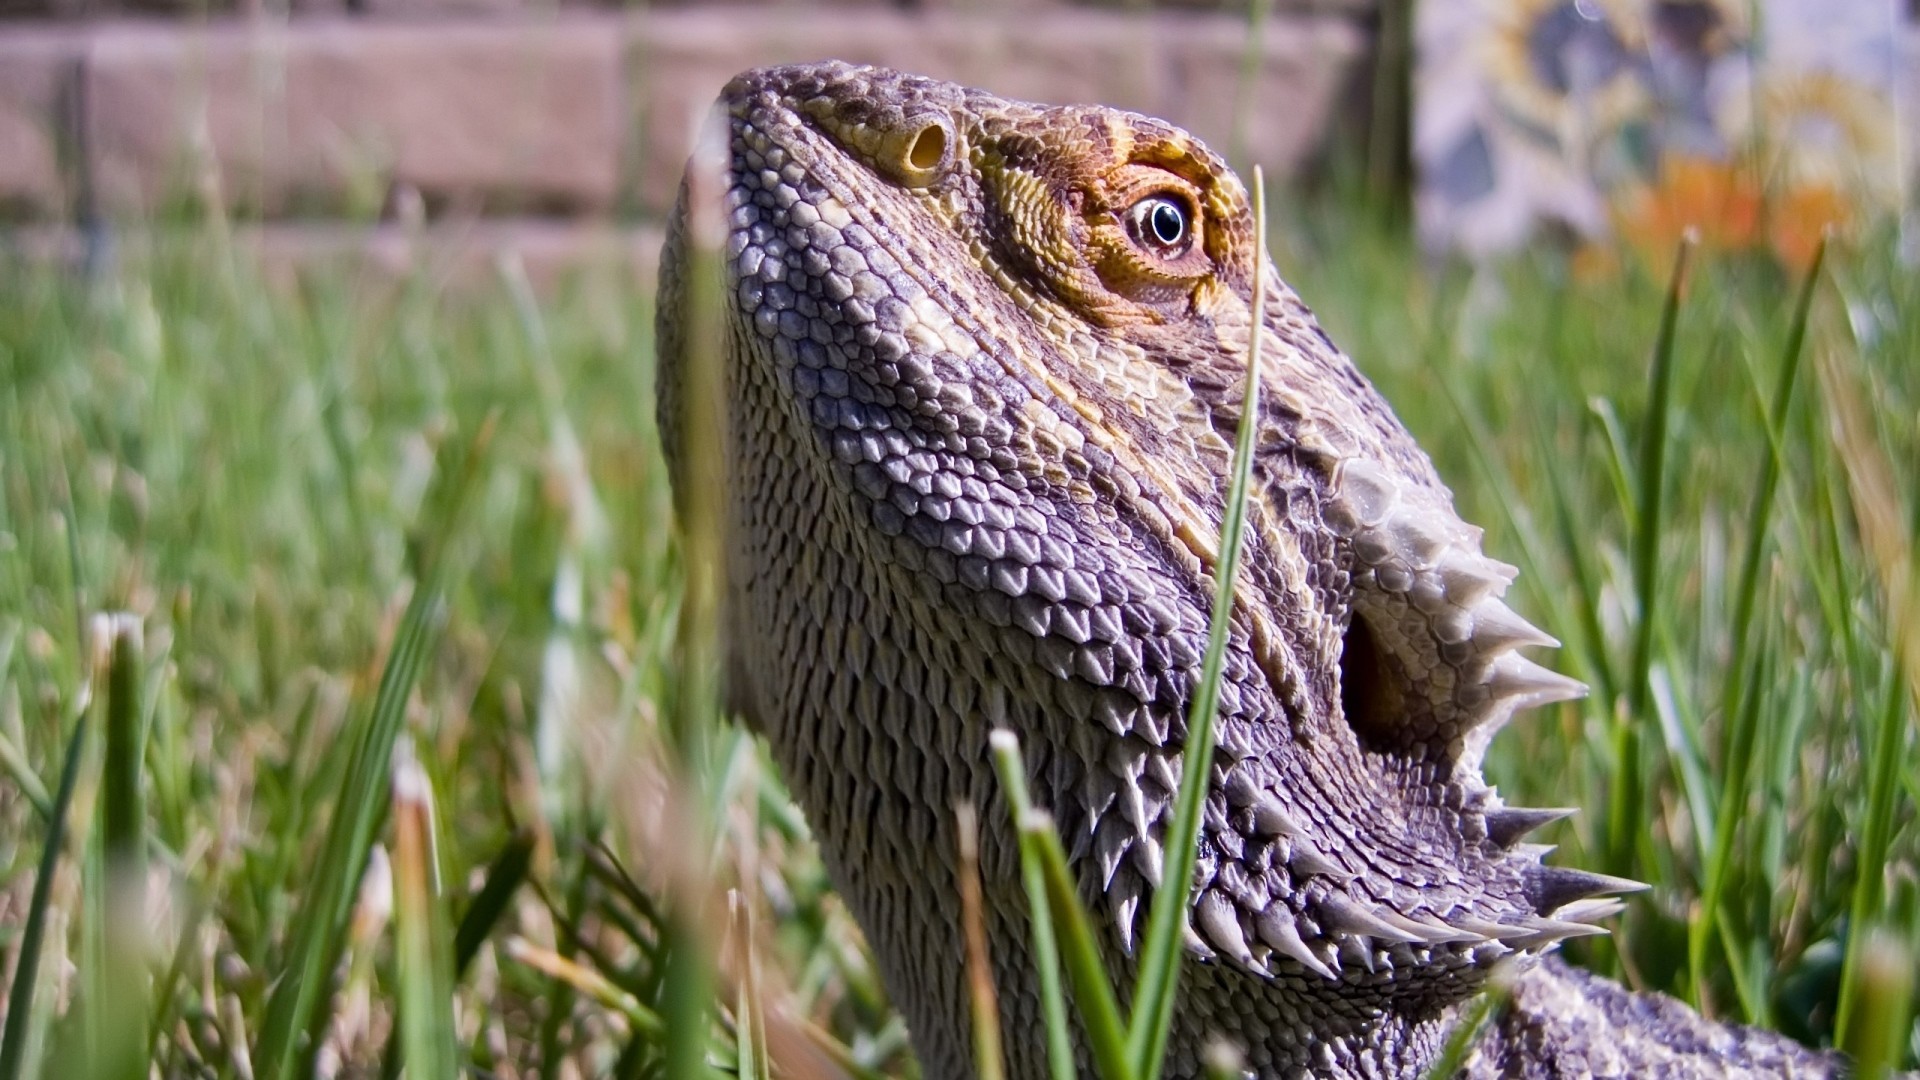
1759	121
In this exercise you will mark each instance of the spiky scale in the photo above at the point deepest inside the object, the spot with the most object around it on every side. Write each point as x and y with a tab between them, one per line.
1217	919
1548	932
1347	917
1358	948
1111	841
1304	859
1550	888
1522	684
1590	911
1497	626
1276	928
1270	818
1427	931
1506	825
1468	578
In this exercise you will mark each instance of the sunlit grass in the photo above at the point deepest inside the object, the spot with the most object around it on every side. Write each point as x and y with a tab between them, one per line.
264	480
1748	647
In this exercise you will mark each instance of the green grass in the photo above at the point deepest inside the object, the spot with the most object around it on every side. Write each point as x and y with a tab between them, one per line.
1742	641
351	517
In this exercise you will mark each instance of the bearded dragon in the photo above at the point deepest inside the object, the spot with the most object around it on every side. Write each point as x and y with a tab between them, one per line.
980	372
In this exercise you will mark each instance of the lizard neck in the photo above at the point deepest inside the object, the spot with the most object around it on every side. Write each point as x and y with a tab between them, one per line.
877	705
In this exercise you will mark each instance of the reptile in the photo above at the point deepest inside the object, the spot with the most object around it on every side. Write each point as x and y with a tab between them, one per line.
977	387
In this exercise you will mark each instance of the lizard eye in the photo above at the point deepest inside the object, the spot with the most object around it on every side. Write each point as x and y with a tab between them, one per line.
1161	224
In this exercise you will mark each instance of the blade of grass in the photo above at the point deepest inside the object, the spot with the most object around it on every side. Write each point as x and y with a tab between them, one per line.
504	877
123	809
1099	1011
165	1003
987	1057
696	706
297	1001
1172	903
1876	834
1882	987
13	1050
1046	949
1619	457
646	1023
114	1010
11	759
1478	1013
423	958
1586	583
24	779
1626	810
571	881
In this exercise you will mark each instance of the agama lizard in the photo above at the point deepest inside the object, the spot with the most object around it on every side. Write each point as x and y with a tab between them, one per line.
982	370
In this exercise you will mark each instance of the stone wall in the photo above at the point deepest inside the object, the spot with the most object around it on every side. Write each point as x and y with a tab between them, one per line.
573	113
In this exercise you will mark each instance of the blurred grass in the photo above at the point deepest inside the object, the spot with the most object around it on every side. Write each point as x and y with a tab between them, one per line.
259	475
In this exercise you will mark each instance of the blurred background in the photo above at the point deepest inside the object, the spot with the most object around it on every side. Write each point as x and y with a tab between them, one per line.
538	124
344	719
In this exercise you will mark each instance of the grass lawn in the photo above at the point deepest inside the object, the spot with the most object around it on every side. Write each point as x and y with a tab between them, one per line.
397	569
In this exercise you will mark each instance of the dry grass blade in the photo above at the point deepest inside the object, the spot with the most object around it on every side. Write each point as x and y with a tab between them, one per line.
987	1059
423	953
590	983
753	1057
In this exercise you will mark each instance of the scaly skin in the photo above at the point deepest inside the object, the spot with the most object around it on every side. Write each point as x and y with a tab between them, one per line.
981	376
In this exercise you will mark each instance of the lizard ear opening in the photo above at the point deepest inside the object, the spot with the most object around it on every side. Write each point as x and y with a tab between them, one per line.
1369	696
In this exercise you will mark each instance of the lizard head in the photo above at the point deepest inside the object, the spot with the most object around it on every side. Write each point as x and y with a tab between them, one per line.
1002	345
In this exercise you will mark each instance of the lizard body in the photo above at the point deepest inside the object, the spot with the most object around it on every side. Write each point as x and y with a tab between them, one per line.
981	376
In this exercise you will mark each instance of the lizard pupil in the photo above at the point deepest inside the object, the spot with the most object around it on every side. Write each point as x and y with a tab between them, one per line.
1160	222
1169	224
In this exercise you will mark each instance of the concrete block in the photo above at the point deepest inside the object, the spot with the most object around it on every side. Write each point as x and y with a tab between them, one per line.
332	114
1909	107
1280	116
39	71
